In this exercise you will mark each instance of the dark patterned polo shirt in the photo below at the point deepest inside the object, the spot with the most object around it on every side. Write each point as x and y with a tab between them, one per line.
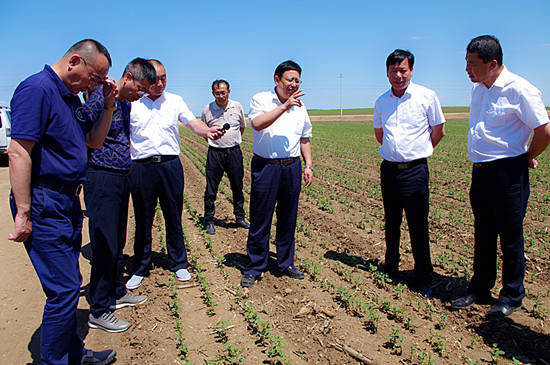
115	152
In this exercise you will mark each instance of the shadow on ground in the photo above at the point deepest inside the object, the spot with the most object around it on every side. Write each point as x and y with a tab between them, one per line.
445	288
81	328
516	340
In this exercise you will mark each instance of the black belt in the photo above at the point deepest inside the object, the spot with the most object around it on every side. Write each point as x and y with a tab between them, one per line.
224	148
157	158
405	165
500	161
278	161
72	188
109	169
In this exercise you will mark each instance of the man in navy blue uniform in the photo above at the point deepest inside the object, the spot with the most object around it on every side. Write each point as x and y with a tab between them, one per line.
47	167
106	193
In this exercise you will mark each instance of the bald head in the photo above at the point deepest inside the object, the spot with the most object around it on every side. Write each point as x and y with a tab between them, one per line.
83	66
89	49
156	89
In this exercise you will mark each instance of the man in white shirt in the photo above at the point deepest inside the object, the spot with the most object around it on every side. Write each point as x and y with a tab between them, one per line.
504	110
224	154
157	173
408	123
281	131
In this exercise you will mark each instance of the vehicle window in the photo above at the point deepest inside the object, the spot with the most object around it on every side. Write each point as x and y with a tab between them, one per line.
1	126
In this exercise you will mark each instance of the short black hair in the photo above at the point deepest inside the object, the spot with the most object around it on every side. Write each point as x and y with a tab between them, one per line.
398	56
287	66
217	83
141	69
487	47
85	46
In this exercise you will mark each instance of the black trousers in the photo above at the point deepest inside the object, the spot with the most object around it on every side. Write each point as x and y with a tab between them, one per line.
272	184
499	195
407	189
163	182
106	195
218	161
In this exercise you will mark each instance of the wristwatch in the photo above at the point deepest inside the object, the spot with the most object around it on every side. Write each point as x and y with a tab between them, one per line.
309	167
111	108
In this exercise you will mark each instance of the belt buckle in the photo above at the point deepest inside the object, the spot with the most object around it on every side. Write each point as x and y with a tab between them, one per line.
156	159
402	166
78	190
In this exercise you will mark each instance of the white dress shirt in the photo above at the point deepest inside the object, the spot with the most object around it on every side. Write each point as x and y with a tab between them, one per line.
154	125
406	123
502	117
213	115
282	138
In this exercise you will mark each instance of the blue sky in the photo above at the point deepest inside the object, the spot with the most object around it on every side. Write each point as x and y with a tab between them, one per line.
243	41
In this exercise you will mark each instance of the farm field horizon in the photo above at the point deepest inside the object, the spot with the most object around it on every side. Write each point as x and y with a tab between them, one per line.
344	311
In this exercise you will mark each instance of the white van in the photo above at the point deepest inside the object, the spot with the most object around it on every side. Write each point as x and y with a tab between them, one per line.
5	129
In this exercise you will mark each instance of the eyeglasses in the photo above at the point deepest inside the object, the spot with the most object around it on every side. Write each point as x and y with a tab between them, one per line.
293	80
93	78
141	90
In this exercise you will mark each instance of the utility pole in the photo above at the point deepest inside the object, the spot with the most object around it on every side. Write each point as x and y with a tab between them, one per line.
341	110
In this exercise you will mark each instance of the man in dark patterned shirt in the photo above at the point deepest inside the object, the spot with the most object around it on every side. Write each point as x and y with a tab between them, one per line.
106	194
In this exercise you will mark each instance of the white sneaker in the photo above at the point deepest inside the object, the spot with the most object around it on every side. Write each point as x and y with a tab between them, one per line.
108	322
134	282
128	300
183	275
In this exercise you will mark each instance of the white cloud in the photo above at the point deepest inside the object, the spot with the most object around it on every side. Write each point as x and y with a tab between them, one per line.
546	44
417	37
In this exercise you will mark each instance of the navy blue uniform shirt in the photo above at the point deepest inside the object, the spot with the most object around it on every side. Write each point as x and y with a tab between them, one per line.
43	110
115	152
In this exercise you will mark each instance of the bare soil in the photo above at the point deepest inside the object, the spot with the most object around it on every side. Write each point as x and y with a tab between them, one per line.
315	318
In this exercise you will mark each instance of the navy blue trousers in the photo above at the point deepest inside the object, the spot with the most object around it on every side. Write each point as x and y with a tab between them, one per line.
54	249
272	184
163	182
219	160
499	195
106	195
407	189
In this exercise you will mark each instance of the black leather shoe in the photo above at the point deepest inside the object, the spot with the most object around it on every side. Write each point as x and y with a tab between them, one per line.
469	299
501	310
391	271
247	280
293	273
210	228
98	357
242	223
464	302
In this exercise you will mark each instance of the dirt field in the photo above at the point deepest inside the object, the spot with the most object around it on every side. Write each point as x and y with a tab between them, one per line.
342	310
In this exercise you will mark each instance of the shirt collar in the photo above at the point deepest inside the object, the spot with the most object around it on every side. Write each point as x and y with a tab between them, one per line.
502	79
57	81
217	107
408	91
159	100
275	97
